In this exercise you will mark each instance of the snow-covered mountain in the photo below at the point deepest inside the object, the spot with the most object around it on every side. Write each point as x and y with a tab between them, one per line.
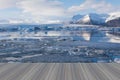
113	16
112	19
92	19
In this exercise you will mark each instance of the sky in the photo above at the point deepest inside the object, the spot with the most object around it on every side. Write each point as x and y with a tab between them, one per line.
52	11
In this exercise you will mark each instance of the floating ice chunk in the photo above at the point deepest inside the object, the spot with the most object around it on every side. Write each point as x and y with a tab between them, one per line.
117	60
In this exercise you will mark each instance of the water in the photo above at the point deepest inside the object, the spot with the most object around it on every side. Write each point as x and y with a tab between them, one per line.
47	43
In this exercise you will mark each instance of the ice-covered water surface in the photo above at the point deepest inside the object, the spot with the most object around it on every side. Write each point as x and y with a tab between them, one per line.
59	43
55	50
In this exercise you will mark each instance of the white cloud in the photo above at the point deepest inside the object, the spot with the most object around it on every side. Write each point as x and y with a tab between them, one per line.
8	3
16	21
99	6
42	8
49	11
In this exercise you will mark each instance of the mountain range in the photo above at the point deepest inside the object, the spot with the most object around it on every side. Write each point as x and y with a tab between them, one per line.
112	19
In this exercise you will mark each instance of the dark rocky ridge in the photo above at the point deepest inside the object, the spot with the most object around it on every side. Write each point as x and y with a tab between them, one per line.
114	23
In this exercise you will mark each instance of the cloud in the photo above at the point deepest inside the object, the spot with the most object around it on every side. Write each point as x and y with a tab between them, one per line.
8	3
43	8
28	21
52	11
99	6
37	11
17	21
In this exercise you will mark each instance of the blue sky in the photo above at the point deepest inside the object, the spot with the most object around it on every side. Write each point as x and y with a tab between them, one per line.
41	11
114	2
69	3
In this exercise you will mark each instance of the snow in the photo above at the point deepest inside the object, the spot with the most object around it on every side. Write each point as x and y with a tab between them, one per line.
86	19
117	60
97	18
113	16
